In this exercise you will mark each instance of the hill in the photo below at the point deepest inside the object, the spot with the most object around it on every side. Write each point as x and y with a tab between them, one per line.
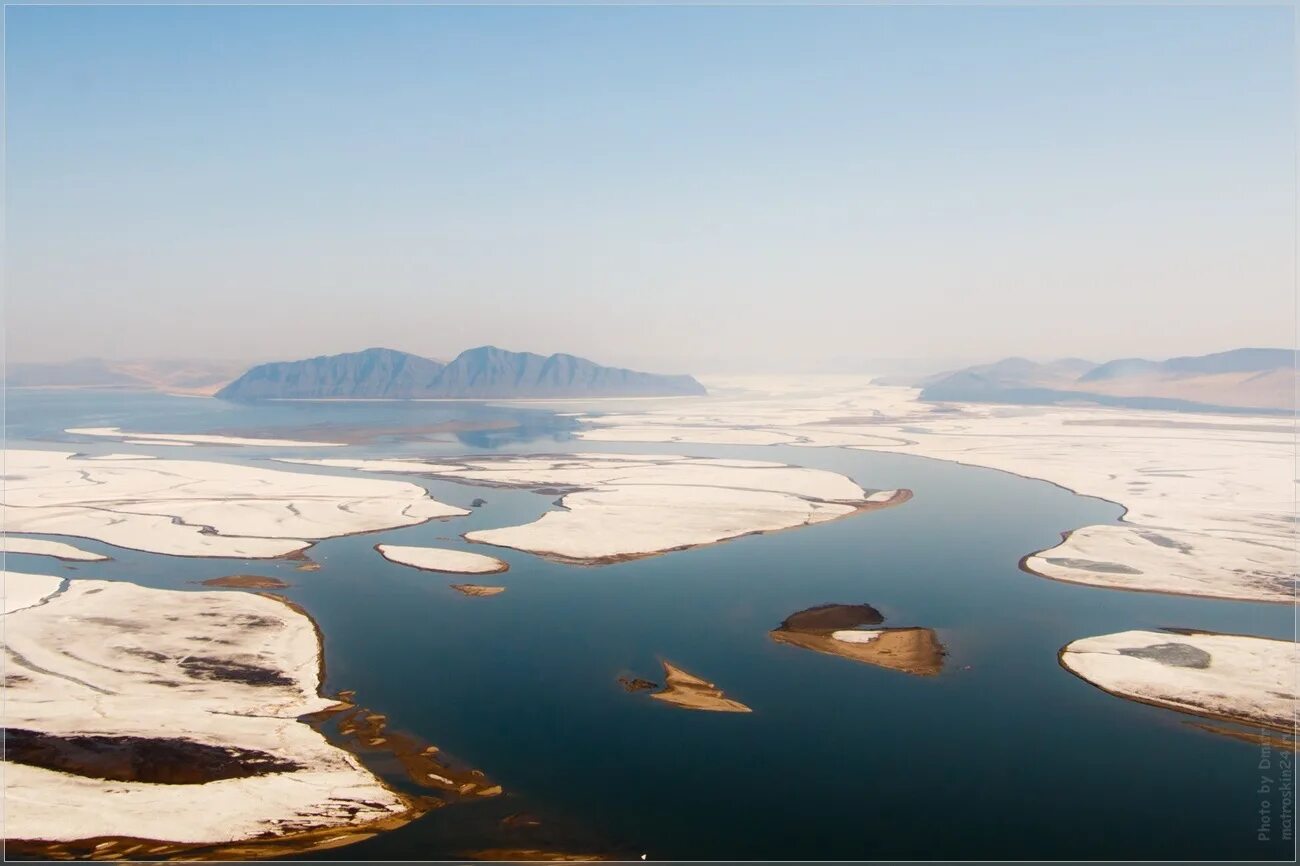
475	373
1238	380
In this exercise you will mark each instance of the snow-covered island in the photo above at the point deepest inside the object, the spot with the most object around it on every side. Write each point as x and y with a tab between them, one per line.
442	559
144	719
615	507
1250	680
201	508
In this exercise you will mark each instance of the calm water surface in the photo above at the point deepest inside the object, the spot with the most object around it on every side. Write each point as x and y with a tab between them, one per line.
1004	755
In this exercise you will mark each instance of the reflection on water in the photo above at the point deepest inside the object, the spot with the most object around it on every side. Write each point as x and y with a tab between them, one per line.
1001	754
44	414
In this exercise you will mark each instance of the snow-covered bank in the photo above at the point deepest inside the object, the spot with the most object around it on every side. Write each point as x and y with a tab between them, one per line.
40	547
623	506
1210	498
173	716
135	438
200	508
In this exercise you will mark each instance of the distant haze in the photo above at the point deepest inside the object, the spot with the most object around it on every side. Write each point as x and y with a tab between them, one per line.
669	189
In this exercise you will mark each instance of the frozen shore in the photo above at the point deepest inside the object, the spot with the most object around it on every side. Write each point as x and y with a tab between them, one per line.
40	547
615	507
1209	498
201	508
170	717
194	439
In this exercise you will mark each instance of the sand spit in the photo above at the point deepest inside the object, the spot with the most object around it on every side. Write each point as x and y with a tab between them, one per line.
615	507
201	508
1209	497
477	590
837	629
246	581
1266	737
1236	678
57	549
194	439
442	559
685	690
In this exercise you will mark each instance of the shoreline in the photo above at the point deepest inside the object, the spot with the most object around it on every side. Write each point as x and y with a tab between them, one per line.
901	495
299	554
1023	565
459	785
1195	714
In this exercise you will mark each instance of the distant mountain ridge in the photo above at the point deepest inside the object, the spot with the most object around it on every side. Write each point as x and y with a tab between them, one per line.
1238	380
484	372
373	373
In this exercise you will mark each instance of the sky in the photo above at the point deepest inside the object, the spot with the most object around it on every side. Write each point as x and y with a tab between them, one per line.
669	188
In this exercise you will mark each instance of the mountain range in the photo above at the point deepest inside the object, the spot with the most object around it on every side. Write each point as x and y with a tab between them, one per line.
1240	380
475	373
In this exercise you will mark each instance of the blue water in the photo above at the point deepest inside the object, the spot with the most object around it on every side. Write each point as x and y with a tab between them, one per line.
1004	755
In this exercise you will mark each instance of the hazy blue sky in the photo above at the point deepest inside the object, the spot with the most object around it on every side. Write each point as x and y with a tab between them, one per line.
671	188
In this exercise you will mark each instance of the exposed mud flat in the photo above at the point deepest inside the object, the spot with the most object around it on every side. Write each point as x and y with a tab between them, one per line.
477	590
158	760
636	684
246	581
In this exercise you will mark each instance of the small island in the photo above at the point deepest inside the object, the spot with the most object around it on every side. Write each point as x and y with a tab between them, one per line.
617	507
1235	678
246	581
442	559
836	629
477	590
685	690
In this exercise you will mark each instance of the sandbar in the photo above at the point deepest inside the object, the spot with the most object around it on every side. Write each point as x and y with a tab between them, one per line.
685	690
